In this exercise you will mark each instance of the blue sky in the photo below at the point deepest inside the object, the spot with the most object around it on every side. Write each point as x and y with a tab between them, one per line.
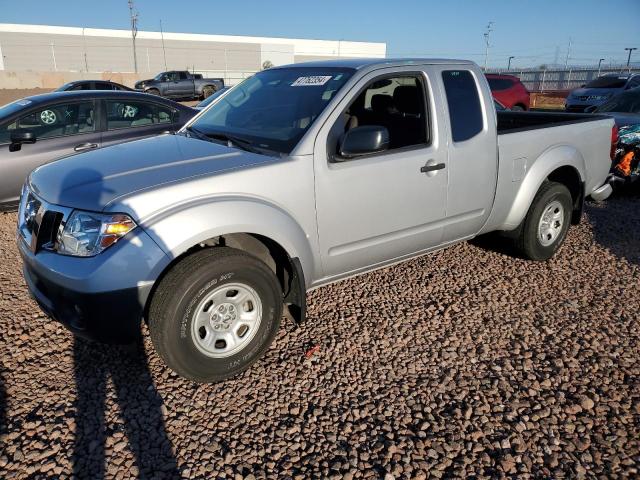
535	32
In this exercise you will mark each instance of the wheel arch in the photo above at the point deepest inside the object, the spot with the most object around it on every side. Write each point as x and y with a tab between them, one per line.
563	164
261	230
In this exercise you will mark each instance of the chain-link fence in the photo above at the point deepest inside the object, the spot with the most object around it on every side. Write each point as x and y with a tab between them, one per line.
541	80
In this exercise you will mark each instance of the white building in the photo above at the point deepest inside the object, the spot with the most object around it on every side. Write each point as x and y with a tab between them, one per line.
41	48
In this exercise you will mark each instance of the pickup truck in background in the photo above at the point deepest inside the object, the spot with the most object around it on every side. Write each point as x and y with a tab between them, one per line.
180	84
301	176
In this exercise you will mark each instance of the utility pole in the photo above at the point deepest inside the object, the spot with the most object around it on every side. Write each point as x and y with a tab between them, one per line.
164	52
486	43
134	33
509	63
566	61
599	64
629	57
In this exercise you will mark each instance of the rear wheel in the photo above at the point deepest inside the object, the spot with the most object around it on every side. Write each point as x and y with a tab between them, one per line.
215	313
546	225
208	90
517	108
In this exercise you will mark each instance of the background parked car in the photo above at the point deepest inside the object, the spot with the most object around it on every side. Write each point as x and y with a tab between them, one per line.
600	90
39	129
93	85
180	84
204	103
625	109
509	91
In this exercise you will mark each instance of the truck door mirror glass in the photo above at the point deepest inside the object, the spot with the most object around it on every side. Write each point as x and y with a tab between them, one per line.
364	140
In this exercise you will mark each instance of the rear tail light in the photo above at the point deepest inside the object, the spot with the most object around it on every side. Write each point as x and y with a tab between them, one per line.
614	142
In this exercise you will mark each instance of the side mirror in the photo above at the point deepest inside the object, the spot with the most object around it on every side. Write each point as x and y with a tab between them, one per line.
590	109
364	140
19	137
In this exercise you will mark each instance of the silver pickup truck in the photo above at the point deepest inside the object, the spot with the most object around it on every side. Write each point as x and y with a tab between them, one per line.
301	176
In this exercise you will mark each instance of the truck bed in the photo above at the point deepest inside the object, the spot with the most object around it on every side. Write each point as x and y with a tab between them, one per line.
511	122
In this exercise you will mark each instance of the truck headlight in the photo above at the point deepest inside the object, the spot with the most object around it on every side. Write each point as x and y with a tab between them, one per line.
86	234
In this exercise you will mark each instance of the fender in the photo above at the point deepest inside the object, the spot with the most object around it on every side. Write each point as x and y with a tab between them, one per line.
185	225
541	168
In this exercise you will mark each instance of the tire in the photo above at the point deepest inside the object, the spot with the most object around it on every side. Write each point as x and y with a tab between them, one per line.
153	91
207	91
185	321
535	241
517	108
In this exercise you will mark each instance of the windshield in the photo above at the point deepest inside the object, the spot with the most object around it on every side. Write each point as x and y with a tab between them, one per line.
63	87
274	108
607	82
628	102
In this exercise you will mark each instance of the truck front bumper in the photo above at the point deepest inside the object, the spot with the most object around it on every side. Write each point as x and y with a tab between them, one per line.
101	298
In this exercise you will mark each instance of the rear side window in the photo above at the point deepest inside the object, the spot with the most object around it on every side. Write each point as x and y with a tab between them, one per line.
131	114
497	84
465	112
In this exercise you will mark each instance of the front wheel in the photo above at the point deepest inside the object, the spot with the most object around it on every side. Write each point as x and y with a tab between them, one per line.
215	313
547	222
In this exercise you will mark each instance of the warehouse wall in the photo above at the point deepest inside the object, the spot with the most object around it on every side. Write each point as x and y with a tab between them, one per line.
41	48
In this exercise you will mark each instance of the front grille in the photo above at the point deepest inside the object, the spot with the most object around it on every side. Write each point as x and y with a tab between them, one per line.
38	221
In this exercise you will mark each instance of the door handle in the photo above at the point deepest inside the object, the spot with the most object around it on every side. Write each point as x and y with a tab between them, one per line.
432	168
85	146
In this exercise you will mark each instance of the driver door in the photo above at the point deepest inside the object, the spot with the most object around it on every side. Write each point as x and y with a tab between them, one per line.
61	129
378	208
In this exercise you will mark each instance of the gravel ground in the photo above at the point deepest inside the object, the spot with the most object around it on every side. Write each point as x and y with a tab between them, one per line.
466	362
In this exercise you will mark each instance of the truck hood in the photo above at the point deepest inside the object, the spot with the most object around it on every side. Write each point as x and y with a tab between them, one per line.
144	82
92	180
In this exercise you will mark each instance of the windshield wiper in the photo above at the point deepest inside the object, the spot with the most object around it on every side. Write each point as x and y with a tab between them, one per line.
233	141
230	140
197	133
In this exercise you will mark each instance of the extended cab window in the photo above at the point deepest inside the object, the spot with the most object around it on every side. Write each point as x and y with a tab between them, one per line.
54	121
396	103
465	111
129	114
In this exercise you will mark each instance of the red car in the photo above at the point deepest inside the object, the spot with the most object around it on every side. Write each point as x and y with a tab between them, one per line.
509	90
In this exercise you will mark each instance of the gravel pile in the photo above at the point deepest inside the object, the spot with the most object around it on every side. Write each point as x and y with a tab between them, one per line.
466	362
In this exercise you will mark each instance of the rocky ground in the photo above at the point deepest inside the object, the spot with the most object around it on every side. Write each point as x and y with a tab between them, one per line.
463	363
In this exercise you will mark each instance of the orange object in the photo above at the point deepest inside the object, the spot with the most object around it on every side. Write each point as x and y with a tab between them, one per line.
309	353
624	165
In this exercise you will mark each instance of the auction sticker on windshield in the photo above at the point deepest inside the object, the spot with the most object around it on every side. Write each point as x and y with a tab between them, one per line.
311	81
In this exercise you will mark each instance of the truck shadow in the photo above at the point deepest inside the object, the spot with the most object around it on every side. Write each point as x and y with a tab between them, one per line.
140	407
140	427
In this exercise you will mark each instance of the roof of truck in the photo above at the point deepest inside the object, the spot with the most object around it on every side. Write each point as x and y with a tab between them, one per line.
358	63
